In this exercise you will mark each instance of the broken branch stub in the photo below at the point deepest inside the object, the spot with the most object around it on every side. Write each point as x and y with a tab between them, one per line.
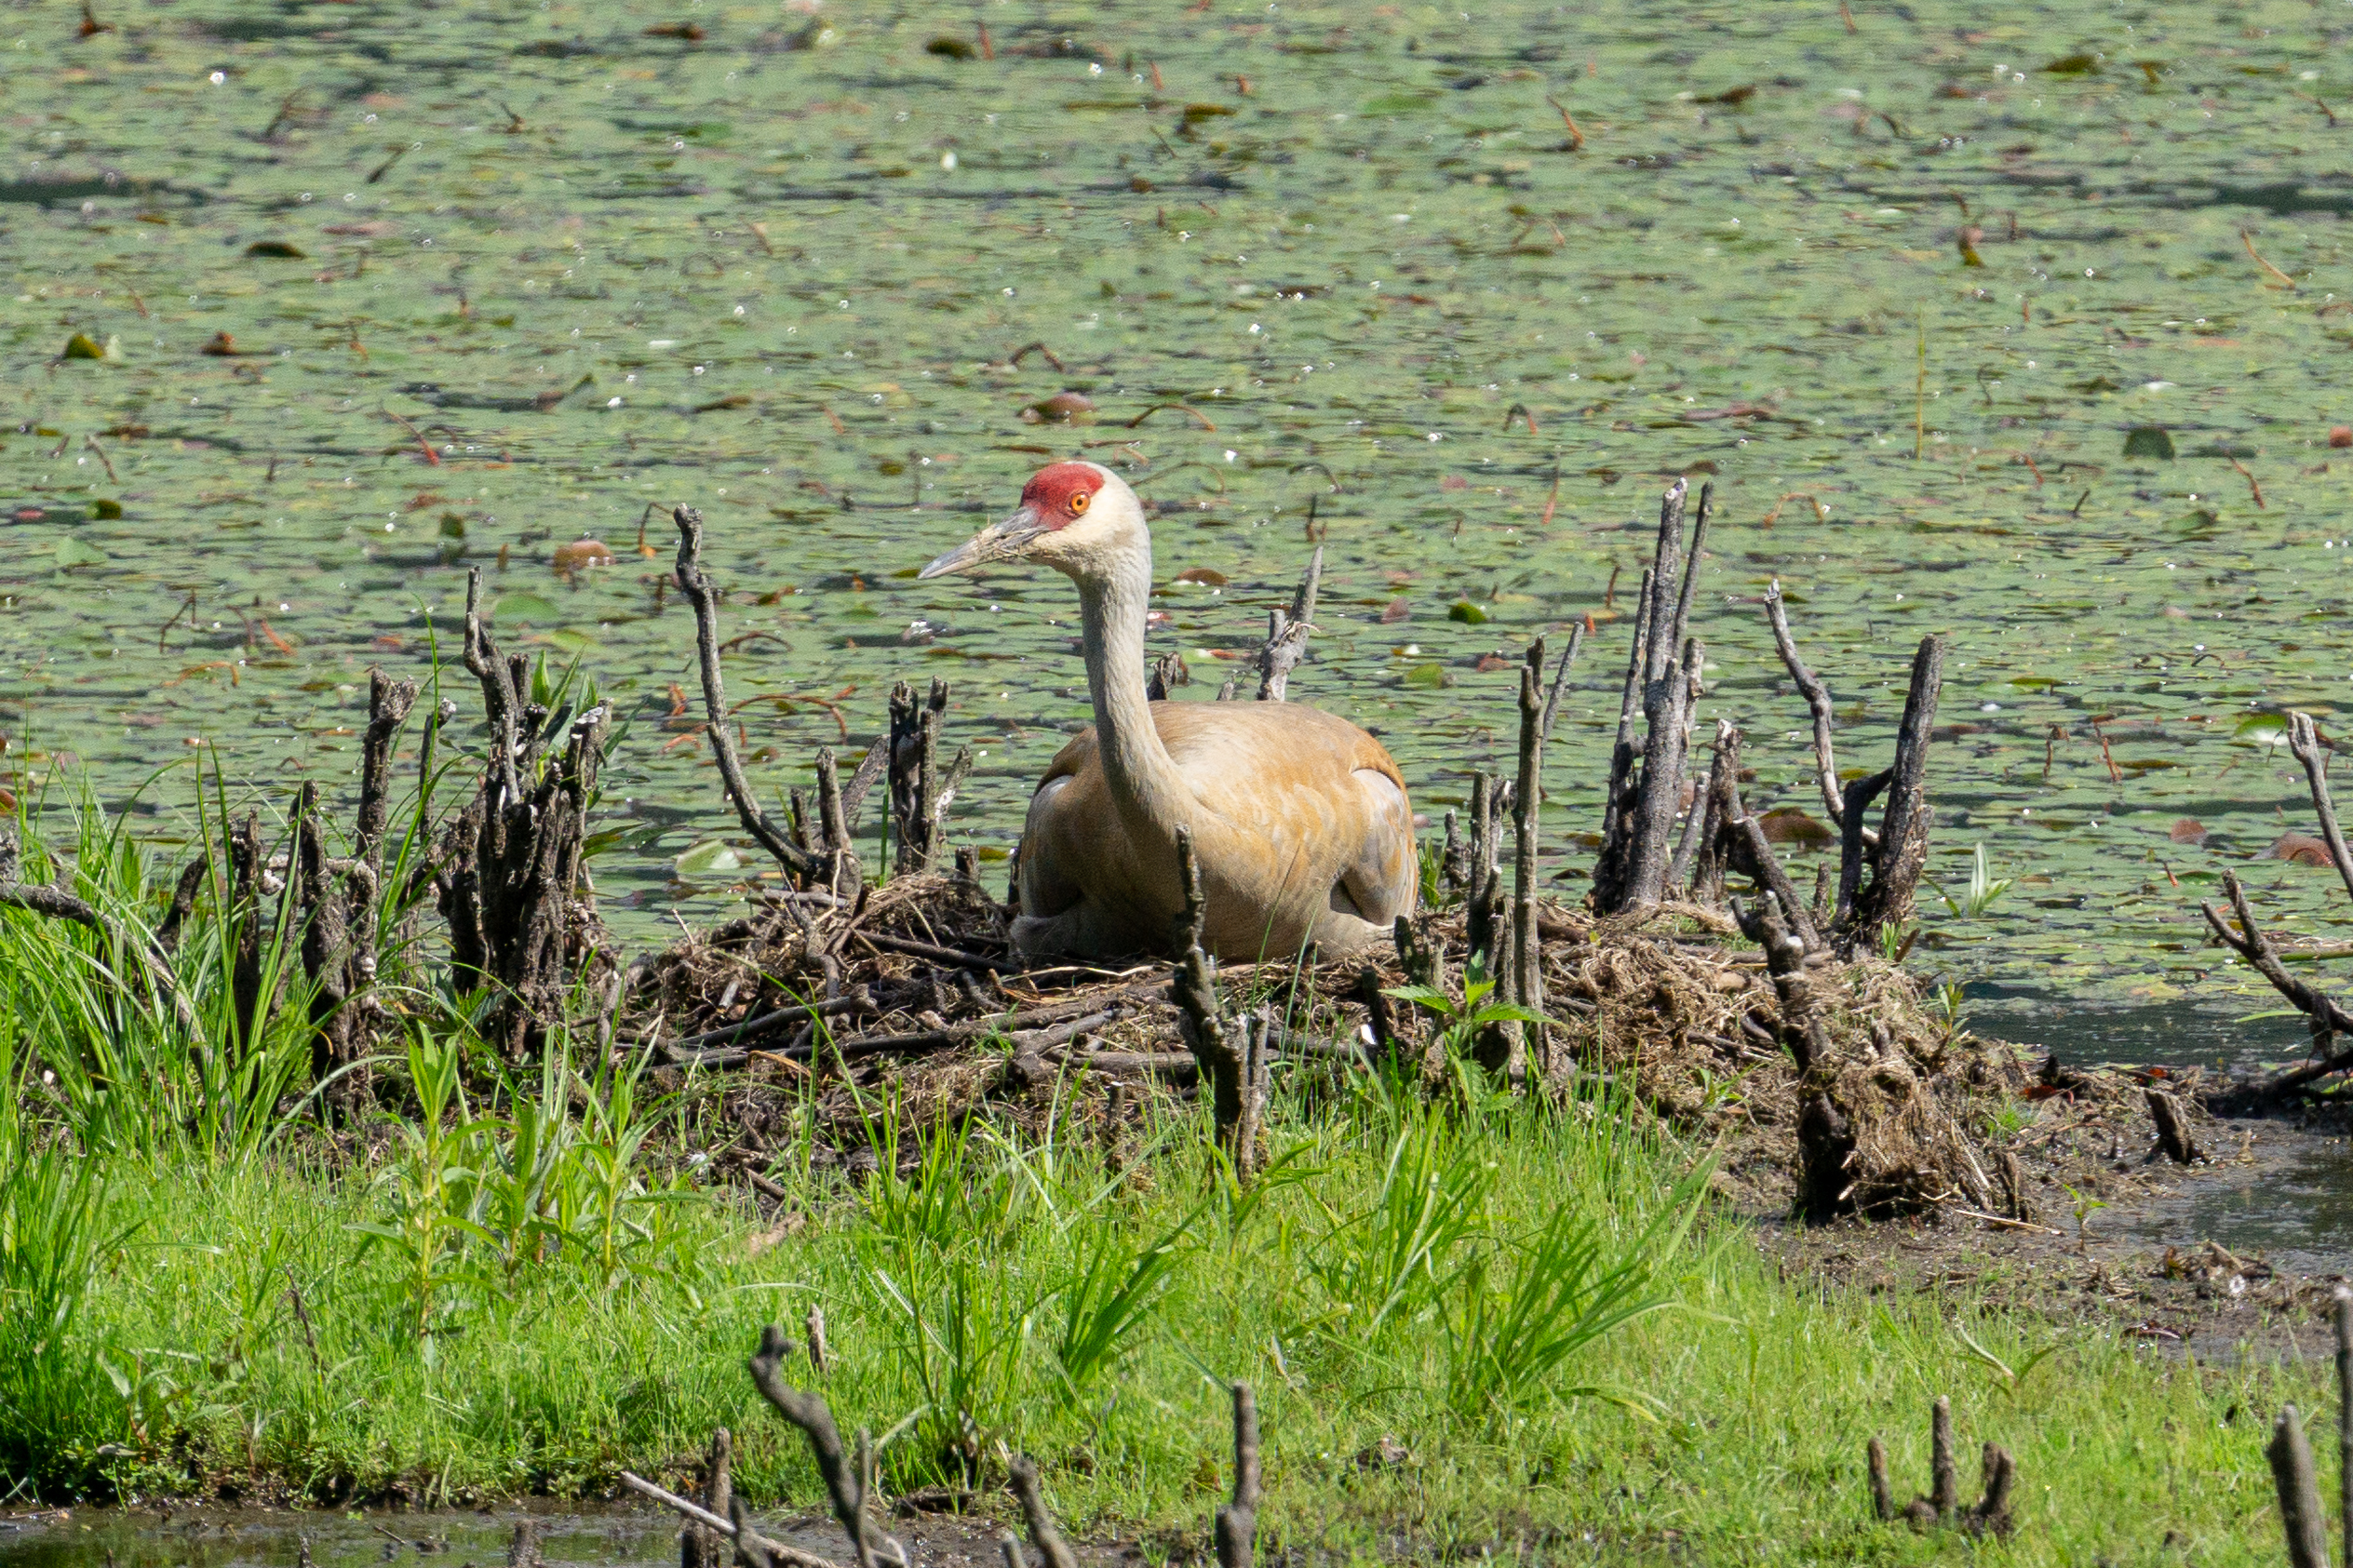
517	923
1287	633
1896	860
1662	677
1237	1523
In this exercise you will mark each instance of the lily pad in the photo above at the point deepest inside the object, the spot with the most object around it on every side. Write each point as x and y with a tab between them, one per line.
712	857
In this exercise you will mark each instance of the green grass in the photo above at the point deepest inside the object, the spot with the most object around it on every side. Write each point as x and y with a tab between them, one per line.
1020	1297
525	1289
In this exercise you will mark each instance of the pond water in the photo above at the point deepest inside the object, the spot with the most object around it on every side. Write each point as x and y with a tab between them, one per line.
568	1535
1473	286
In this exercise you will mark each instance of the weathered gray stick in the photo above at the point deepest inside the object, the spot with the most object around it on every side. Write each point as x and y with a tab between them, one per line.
699	594
1287	635
2305	743
2292	1474
1944	1481
1534	1053
1817	699
844	1485
1237	1523
1043	1533
2343	1304
736	1528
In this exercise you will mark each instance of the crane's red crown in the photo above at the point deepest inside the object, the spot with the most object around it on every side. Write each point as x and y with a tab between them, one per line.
1059	494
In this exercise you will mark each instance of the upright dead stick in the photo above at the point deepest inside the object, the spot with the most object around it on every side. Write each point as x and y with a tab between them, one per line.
1527	955
2341	1303
808	1412
1043	1533
1901	853
1287	635
1560	679
1817	699
2305	743
1237	1523
2292	1474
1944	1483
700	594
1882	1490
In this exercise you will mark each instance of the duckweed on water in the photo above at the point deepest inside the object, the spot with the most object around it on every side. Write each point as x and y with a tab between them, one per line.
1471	285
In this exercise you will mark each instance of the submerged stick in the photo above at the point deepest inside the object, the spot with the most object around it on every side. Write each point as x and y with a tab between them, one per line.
740	1534
700	594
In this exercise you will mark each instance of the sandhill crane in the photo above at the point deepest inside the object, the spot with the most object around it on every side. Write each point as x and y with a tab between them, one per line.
1299	820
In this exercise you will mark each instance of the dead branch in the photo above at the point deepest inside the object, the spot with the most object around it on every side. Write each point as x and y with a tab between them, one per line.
700	594
844	1483
1231	1051
2305	743
1287	633
750	1546
1560	679
1817	699
2293	1476
1043	1533
1531	1045
1237	1523
1897	860
1662	675
56	903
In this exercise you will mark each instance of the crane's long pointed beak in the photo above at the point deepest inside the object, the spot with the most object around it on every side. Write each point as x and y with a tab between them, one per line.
996	543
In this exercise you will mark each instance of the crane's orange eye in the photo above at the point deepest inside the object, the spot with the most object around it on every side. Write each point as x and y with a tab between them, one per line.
1078	502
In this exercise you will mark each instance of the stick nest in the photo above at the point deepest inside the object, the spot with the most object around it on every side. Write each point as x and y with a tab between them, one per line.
1671	1007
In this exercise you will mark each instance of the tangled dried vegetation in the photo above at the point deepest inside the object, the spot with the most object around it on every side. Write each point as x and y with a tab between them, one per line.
1811	1057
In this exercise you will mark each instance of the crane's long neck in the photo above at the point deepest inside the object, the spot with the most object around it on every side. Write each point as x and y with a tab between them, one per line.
1150	790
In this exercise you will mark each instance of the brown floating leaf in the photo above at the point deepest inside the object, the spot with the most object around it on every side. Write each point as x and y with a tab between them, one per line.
1060	409
277	247
2187	830
2301	848
1205	575
1395	610
2341	436
690	32
582	552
